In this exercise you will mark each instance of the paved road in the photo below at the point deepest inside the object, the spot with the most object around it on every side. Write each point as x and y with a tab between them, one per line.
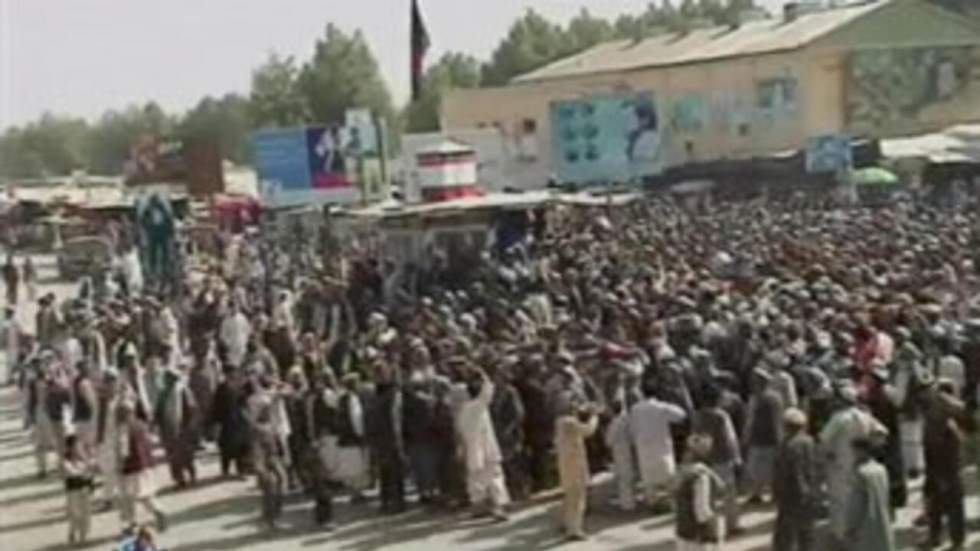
222	516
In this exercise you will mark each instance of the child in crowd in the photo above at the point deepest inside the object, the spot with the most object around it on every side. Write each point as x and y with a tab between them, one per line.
78	487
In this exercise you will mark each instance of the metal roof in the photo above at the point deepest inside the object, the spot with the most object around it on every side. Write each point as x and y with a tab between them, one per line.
751	38
957	144
498	201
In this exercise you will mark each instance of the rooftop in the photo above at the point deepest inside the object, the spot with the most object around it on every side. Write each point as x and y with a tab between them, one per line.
776	34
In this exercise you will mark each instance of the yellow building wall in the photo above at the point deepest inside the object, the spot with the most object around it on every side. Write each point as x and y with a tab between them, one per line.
911	68
707	111
824	110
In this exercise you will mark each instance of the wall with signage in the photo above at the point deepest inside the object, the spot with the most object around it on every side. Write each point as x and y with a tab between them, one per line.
609	138
339	164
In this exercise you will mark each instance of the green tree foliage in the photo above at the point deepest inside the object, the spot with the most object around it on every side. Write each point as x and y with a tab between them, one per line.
343	74
18	158
275	100
52	145
224	121
453	70
586	30
532	42
115	132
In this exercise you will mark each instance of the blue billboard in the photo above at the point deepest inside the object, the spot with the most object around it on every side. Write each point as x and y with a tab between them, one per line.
319	164
282	162
616	138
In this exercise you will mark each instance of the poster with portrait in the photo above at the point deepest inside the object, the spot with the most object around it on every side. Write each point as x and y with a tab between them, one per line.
328	151
828	154
304	166
615	138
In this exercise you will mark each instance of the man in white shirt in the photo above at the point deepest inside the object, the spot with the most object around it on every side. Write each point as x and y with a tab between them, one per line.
235	332
650	422
484	474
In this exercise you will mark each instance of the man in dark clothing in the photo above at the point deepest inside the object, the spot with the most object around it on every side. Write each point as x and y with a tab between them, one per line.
944	416
321	421
725	456
795	487
11	278
538	426
883	403
176	413
228	413
420	437
763	433
507	415
389	444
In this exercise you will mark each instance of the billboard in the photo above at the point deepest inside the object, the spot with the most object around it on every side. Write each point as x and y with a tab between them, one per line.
196	164
321	164
607	139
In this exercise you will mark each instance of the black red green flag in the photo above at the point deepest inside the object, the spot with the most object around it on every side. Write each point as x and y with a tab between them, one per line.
420	46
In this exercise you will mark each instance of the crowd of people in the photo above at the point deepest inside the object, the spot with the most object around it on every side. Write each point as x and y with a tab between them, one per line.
713	360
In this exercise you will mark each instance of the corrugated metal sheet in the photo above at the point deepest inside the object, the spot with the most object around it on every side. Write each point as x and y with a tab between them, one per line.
500	201
957	144
751	38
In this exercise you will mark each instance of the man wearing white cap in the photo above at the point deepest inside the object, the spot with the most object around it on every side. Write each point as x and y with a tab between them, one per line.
847	425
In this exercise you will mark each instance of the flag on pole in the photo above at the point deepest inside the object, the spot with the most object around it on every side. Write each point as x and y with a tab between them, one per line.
420	45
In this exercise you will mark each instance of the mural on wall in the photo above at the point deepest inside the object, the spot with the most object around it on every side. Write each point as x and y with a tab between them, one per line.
777	100
888	88
688	113
607	138
730	112
774	101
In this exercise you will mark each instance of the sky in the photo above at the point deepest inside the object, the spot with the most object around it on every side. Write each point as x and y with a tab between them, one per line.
81	57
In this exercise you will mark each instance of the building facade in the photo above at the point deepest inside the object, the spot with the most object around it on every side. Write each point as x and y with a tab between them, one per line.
878	69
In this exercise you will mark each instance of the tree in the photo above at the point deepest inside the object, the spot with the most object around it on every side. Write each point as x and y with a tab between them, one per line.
713	10
115	133
224	121
690	9
275	99
17	158
52	145
669	17
531	42
734	10
453	70
343	74
585	31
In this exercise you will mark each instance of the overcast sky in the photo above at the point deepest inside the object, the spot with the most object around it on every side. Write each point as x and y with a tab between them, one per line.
81	57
